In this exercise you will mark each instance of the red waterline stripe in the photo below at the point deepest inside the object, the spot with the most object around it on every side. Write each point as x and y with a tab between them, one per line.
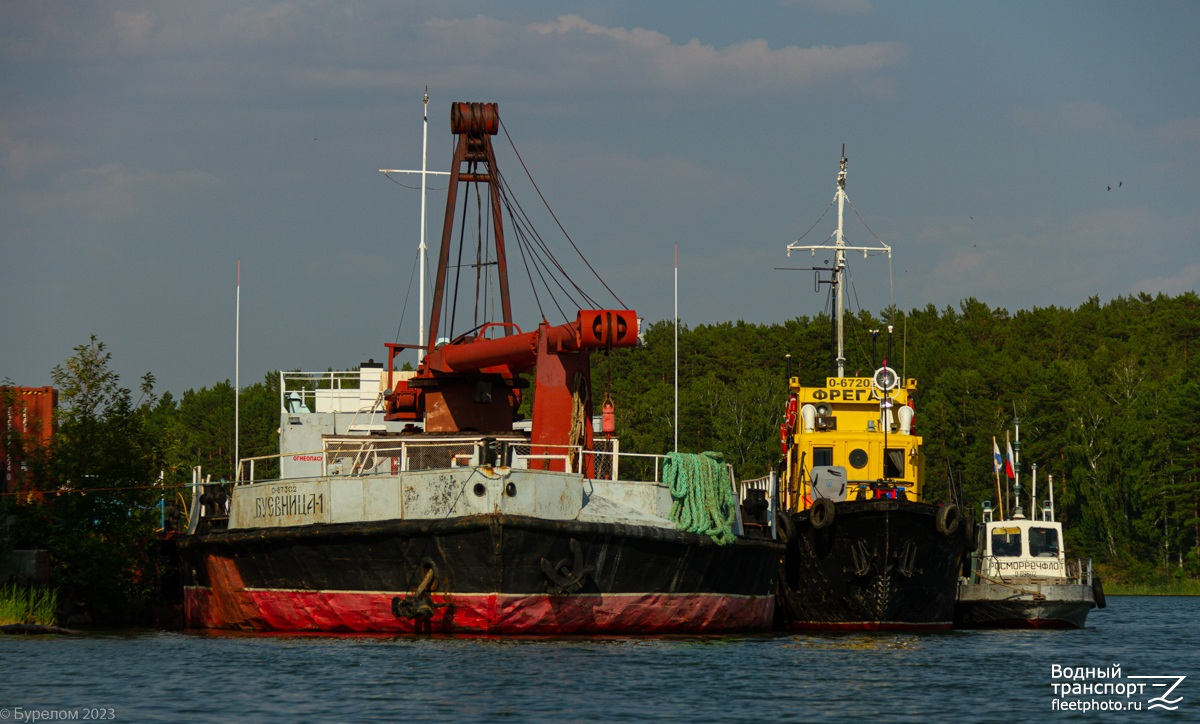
357	612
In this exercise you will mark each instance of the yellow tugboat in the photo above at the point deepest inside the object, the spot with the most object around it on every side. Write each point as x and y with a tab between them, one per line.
865	549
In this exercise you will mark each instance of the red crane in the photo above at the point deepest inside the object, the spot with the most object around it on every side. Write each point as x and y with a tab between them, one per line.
474	383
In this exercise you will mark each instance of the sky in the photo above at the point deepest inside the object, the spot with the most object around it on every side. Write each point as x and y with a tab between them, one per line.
1025	154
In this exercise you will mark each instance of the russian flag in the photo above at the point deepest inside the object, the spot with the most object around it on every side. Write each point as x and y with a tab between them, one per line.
1008	463
998	462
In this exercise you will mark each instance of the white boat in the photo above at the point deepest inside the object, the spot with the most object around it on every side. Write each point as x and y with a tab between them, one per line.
1021	577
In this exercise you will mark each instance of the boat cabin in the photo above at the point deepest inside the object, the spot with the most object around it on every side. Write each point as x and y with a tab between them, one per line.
852	440
1022	548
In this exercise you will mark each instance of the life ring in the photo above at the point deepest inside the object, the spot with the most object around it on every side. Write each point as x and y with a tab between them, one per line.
822	513
1098	592
789	413
789	424
948	519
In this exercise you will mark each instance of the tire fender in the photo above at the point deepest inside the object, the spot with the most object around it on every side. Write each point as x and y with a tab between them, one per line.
785	526
822	513
949	518
968	535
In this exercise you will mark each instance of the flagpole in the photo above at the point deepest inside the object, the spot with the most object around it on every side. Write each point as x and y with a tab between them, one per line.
237	360
676	347
996	470
1007	447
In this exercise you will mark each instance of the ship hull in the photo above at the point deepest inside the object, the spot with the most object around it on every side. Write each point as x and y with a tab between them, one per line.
482	574
878	565
1025	606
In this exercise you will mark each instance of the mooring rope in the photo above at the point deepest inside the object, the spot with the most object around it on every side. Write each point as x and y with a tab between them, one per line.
701	497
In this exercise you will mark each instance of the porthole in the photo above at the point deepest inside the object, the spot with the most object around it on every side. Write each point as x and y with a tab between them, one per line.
510	490
480	489
858	458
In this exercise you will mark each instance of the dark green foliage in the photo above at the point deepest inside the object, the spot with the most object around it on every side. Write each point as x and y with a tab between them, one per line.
115	472
96	509
199	430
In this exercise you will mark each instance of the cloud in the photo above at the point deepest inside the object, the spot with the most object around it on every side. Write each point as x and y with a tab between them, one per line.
566	55
571	55
1087	117
43	31
1186	279
131	30
270	26
1072	117
20	156
1183	132
113	192
96	31
651	61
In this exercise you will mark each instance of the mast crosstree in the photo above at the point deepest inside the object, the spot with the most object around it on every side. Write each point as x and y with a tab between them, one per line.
840	247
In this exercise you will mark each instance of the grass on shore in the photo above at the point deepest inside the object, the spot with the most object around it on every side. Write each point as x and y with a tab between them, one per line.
28	605
1164	588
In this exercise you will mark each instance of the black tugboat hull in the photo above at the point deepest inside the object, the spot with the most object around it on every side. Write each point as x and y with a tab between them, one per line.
484	574
877	565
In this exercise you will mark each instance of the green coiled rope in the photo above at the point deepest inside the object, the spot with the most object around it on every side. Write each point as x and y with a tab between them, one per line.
701	496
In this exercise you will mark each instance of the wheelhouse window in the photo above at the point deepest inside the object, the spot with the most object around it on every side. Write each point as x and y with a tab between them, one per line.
893	463
1006	542
1043	542
822	456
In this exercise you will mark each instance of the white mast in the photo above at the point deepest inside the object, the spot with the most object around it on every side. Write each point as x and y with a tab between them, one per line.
840	266
424	188
1051	496
1033	501
840	248
424	172
1016	448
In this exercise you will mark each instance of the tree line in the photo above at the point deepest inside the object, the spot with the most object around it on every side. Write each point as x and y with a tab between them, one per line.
1108	398
1107	394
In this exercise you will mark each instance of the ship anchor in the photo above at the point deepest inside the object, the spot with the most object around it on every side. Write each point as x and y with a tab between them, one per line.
863	559
906	558
418	604
564	578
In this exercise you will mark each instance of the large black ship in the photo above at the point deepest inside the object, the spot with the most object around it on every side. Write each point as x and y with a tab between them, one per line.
424	501
865	549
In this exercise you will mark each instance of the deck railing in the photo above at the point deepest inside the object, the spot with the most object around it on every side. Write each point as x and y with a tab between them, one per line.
350	458
347	456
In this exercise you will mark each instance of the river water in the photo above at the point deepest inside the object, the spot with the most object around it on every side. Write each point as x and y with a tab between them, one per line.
964	675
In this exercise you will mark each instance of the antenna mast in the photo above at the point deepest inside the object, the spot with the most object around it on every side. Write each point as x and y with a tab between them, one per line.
424	186
840	247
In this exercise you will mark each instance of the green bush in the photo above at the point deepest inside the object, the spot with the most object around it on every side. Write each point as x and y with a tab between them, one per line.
28	605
